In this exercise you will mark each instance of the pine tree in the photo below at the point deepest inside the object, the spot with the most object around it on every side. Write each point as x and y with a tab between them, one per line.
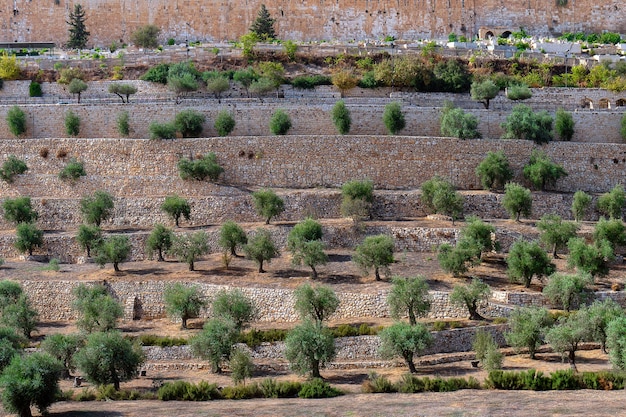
263	26
78	31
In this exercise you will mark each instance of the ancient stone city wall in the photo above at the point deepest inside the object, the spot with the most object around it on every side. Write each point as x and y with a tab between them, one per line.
115	20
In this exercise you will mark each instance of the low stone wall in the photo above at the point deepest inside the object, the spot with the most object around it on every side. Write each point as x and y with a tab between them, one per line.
144	300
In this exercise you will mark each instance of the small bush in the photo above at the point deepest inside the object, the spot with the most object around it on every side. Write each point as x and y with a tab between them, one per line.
189	123
341	117
411	384
72	123
161	341
34	89
224	123
86	395
242	392
186	391
270	388
280	123
254	338
200	169
378	384
16	119
565	379
72	171
318	388
123	126
157	74
518	92
162	130
12	167
308	82
393	118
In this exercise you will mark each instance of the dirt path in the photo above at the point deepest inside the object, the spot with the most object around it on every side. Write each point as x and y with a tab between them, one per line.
461	403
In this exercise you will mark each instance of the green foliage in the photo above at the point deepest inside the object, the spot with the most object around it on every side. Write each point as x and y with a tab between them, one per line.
19	210
408	296
63	347
593	258
157	74
555	233
527	327
146	36
97	310
72	123
123	91
78	34
108	358
217	85
77	86
9	68
189	123
580	204
161	341
261	248
12	167
410	384
564	125
518	92
318	388
451	76
262	86
622	129
271	388
224	123
528	259
241	366
255	338
183	302
406	341
248	41
267	204
568	333
165	130
511	380
290	48
200	169
113	249
517	200
234	306
393	118
616	342
159	241
187	391
68	74
20	315
280	122
457	259
541	171
188	247
566	290
315	303
344	80
601	313
375	252
612	231
487	350
357	198
457	123
448	202
10	292
308	347
176	207
309	82
28	237
16	120
245	77
215	342
612	203
30	380
122	124
263	25
484	91
89	237
72	171
305	244
341	117
378	384
430	188
231	237
523	123
470	296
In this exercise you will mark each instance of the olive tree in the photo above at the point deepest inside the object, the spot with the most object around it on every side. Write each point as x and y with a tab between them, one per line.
527	326
494	171
183	302
261	248
19	210
113	249
315	303
591	258
375	252
341	117
616	342
601	314
88	237
393	118
28	236
267	204
613	231
357	198
580	203
517	200
470	296
109	358
406	341
215	342
176	207
160	241
568	290
308	347
123	91
20	315
16	120
484	91
555	232
188	247
97	310
456	123
523	123
408	296
12	167
612	203
526	260
234	306
97	207
541	171
306	246
63	347
231	237
564	124
568	333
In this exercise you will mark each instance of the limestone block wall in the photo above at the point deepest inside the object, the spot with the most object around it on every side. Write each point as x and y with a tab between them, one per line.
53	300
45	120
137	167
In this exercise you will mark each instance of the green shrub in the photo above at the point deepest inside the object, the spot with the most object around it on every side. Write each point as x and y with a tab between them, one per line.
72	171
368	80
565	379
524	380
123	126
270	388
242	392
378	384
72	123
161	341
16	119
34	89
341	117
456	123
157	74
162	130
623	127
200	169
224	123
86	395
564	124
189	123
318	388
393	118
12	167
308	82
280	123
254	337
411	384
518	92
186	391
